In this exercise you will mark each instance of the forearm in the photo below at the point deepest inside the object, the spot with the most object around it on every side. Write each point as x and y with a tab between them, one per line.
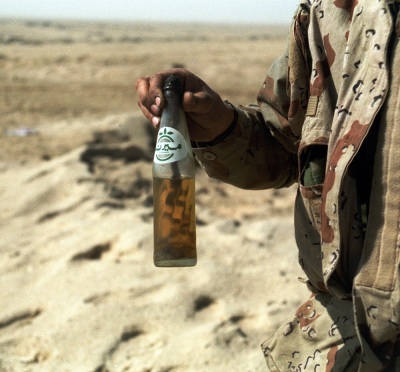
249	157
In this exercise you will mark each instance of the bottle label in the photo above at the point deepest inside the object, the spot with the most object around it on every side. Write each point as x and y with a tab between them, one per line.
171	146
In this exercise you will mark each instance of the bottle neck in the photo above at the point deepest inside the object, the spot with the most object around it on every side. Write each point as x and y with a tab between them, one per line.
173	115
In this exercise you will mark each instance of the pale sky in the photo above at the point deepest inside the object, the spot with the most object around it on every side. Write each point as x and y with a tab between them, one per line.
244	11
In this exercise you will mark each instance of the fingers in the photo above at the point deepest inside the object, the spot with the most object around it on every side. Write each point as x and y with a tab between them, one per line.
149	99
198	102
155	120
150	88
198	99
150	94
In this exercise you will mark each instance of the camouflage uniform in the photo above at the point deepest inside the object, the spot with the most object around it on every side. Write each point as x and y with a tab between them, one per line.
325	118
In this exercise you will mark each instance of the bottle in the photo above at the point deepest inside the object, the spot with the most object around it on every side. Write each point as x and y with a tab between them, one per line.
174	185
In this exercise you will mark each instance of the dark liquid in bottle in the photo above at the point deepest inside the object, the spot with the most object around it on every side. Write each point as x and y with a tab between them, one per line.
174	222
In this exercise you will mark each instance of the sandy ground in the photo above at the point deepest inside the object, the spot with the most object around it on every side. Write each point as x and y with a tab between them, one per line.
79	291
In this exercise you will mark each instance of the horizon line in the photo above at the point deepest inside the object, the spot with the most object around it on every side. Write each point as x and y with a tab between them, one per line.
155	21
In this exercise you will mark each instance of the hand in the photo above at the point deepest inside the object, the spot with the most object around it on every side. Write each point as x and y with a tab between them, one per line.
207	114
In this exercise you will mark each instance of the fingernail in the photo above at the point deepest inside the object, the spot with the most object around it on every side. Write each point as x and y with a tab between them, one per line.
158	101
155	120
154	109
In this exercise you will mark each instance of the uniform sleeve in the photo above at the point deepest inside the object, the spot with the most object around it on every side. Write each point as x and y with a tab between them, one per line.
261	151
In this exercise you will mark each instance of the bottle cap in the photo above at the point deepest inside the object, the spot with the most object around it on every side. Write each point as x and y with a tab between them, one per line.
173	83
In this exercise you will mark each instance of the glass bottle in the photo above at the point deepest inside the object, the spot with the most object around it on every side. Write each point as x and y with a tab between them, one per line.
174	185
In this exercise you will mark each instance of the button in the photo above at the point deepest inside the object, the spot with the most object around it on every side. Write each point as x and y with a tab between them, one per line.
208	155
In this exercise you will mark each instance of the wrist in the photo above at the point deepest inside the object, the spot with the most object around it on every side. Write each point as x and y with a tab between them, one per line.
225	133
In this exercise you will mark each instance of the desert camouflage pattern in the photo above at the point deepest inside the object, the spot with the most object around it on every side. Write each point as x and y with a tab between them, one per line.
325	118
320	337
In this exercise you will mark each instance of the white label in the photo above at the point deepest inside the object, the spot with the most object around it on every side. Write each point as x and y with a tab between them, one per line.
171	146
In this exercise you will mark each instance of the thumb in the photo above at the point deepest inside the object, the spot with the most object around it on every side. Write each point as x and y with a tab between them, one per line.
197	103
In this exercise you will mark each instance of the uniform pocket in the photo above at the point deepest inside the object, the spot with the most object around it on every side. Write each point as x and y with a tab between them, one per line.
312	160
320	336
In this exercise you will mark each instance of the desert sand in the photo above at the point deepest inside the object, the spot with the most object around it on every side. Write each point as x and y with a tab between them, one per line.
78	288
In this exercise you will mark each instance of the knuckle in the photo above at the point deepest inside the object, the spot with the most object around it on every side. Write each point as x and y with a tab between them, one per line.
137	83
141	81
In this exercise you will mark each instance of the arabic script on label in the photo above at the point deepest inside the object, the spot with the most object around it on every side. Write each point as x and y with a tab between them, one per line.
171	146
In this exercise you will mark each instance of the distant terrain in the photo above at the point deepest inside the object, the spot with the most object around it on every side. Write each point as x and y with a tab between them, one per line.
79	291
